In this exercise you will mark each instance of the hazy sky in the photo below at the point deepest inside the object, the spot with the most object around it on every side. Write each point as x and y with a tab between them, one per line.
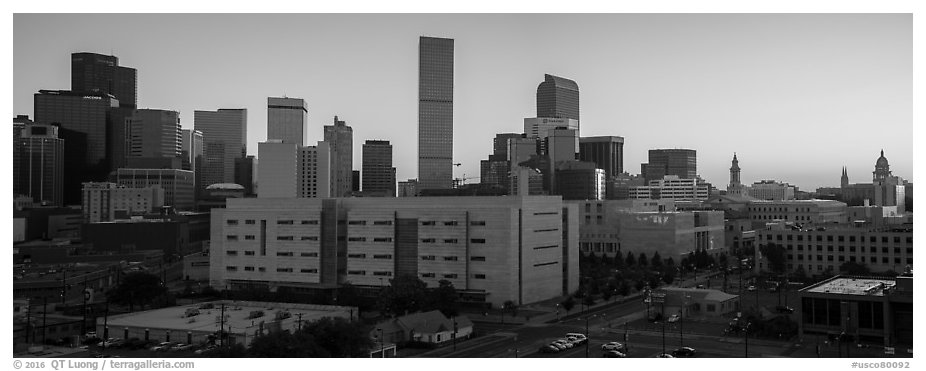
795	96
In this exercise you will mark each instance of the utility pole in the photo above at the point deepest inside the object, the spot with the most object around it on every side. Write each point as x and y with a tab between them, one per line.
746	339
44	311
222	327
299	321
83	324
105	327
29	319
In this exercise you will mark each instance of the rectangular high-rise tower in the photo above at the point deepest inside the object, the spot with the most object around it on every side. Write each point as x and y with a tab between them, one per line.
435	113
286	120
340	138
378	173
680	162
225	134
558	97
91	71
38	164
154	133
605	151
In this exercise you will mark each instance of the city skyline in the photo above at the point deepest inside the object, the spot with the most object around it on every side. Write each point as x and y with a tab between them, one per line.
715	83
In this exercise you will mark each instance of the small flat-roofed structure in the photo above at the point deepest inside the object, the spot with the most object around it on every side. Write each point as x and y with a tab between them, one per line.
194	323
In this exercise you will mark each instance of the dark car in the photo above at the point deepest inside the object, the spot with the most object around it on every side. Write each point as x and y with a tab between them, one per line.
684	352
784	309
548	349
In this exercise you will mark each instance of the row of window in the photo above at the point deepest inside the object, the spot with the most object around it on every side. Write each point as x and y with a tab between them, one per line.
829	238
234	268
364	256
841	258
279	222
871	249
281	253
449	258
363	273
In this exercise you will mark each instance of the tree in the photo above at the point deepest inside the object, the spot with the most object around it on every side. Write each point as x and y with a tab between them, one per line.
631	260
588	301
775	255
283	344
231	351
568	304
606	294
668	275
642	261
619	260
624	288
656	260
444	298
137	288
510	306
670	262
338	337
405	294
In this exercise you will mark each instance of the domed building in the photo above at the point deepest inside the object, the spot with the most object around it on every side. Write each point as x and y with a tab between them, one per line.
884	190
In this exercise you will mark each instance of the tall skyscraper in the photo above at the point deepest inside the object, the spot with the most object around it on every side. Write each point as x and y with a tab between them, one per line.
38	163
279	177
84	119
154	133
315	171
558	97
435	113
607	152
340	138
680	162
191	152
225	134
286	120
378	174
91	71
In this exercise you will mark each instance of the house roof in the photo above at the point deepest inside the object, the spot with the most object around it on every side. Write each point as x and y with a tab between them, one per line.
426	322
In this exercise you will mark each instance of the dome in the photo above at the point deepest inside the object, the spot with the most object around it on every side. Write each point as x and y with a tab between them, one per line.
225	186
882	161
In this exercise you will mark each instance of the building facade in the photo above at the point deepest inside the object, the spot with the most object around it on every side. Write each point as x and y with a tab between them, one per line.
315	171
340	139
576	180
225	134
771	190
671	187
191	153
286	120
91	71
435	113
377	171
108	201
607	152
799	211
154	133
558	97
178	185
679	162
38	164
492	249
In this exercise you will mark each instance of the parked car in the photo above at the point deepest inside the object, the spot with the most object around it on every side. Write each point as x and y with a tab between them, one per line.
112	343
181	347
577	338
673	318
559	346
613	346
543	349
784	309
568	344
614	354
162	347
684	352
751	288
664	355
210	348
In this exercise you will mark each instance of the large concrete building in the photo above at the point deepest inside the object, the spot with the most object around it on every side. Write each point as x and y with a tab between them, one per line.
771	190
38	163
315	171
108	201
671	187
279	177
178	185
799	211
679	162
435	113
378	173
286	120
819	251
493	249
340	139
225	134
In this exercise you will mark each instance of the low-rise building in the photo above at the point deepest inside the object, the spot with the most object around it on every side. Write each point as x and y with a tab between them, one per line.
857	309
424	327
772	190
109	201
806	212
693	302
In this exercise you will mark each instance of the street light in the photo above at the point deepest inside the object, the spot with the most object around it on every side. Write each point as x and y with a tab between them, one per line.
588	335
746	337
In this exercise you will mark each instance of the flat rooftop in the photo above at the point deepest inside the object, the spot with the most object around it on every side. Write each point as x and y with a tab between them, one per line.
237	315
853	286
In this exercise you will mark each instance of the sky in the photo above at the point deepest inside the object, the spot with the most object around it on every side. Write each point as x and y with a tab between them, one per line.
795	96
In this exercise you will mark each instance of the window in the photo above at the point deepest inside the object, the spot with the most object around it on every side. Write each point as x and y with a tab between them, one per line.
477	258
477	240
427	275
231	268
382	239
357	256
450	240
479	276
382	273
261	269
249	221
357	239
249	269
248	253
543	264
231	252
357	273
309	222
382	256
553	246
285	222
450	258
427	223
313	270
477	222
309	254
284	238
382	222
357	222
546	230
232	222
428	240
285	270
428	257
309	238
450	275
452	222
232	237
249	237
285	253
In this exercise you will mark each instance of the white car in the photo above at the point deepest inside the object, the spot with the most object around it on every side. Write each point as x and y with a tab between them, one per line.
673	318
558	345
751	288
568	344
614	354
613	346
576	338
162	347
